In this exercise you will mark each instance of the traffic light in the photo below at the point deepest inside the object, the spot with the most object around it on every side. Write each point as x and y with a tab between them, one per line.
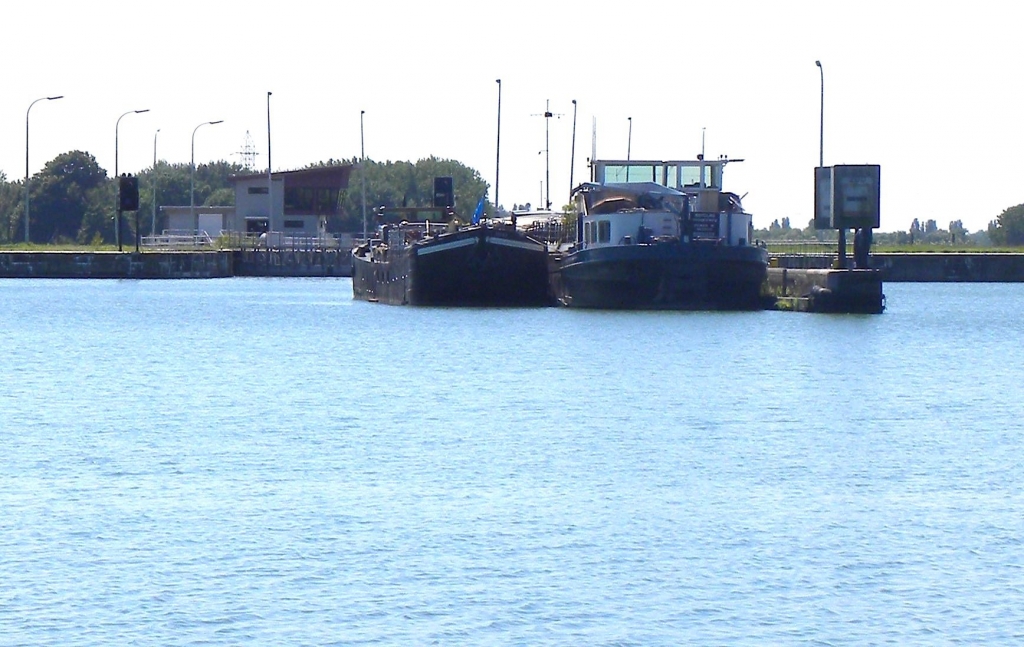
444	194
128	195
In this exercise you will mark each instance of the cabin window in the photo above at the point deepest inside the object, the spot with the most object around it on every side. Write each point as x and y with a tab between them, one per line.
604	231
713	176
257	190
588	232
689	176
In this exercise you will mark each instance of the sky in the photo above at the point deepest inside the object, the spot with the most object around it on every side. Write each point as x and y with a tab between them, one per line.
931	92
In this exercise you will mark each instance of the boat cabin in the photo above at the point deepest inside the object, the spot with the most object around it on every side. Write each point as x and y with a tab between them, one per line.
644	202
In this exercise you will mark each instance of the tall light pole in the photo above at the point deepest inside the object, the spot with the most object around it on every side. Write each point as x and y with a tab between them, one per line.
547	153
270	177
572	155
362	169
821	161
192	185
821	129
152	224
26	156
117	126
629	146
497	161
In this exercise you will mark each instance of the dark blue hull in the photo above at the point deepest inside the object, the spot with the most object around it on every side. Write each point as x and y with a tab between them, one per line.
664	276
476	266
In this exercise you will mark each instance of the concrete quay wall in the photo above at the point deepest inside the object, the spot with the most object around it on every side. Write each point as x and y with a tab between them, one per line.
950	268
307	263
927	267
115	265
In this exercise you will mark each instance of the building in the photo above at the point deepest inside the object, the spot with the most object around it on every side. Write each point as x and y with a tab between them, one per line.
295	203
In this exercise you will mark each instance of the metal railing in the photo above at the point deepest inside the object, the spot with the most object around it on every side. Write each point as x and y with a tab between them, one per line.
280	241
177	239
805	248
171	239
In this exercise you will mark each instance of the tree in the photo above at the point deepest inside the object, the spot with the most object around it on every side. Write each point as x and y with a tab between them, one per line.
70	186
407	184
11	205
1009	227
957	231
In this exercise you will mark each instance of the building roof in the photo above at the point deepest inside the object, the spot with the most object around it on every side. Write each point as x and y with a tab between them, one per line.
318	177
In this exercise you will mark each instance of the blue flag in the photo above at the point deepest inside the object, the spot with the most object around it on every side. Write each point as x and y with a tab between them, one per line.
479	212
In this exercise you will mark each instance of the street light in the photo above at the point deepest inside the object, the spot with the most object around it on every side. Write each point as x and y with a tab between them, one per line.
117	127
270	177
152	224
821	161
821	130
362	170
192	185
26	156
629	146
572	155
497	161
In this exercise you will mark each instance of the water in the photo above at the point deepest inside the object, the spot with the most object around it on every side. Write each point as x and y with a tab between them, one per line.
267	462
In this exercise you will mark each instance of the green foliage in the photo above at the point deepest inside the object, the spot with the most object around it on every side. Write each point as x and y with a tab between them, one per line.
398	184
781	231
11	209
68	188
74	201
1008	228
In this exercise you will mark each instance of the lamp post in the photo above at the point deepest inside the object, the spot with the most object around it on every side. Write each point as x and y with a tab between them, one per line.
821	160
821	129
26	156
152	224
497	161
547	153
362	170
270	177
117	127
629	146
192	185
572	155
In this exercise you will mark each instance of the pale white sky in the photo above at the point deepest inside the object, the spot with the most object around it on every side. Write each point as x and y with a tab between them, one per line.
928	90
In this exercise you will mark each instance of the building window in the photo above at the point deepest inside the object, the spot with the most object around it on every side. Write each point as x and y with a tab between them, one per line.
309	201
257	190
294	224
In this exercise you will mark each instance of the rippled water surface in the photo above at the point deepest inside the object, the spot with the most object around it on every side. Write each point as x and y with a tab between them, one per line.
267	462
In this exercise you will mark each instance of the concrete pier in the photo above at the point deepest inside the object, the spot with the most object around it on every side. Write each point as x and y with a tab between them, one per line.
175	265
116	265
304	263
826	290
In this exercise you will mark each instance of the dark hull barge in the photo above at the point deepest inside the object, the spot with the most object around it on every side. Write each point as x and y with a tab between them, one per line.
437	265
661	236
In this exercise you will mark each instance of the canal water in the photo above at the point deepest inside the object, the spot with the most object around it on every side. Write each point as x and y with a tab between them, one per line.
267	462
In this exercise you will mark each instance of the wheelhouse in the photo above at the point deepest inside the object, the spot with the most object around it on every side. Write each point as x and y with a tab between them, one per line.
644	202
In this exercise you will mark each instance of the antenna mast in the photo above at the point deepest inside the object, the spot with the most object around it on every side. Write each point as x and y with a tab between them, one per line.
547	148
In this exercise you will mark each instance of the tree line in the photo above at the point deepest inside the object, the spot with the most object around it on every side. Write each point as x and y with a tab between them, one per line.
74	200
1006	230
